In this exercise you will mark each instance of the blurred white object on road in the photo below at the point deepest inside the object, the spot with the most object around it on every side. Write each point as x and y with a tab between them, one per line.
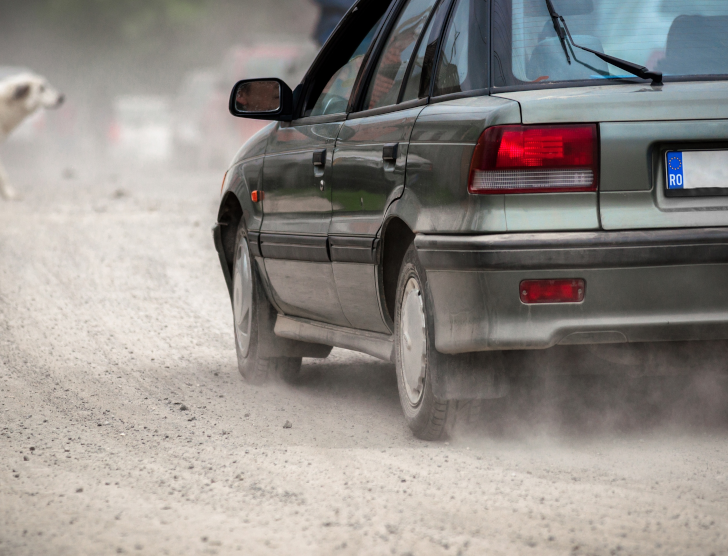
141	129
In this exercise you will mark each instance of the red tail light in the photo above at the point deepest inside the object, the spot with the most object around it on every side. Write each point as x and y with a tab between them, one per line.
552	291
535	159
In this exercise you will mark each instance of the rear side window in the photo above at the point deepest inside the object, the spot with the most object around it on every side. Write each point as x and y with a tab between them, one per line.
418	82
387	79
463	64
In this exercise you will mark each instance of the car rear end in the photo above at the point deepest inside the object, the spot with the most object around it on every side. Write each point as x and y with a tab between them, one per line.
600	214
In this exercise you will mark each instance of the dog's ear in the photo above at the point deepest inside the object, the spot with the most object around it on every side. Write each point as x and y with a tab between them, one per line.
21	91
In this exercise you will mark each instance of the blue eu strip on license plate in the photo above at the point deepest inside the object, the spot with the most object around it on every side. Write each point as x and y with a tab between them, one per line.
675	171
696	173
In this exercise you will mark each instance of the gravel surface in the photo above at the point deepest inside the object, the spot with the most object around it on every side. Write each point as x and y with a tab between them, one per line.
125	427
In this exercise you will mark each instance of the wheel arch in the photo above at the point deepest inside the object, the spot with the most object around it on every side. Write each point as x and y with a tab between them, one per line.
228	219
396	237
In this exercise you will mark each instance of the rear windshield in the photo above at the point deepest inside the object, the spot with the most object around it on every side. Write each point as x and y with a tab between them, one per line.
677	37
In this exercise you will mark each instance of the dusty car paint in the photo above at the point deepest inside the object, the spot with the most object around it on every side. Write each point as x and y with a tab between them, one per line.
637	124
639	287
365	184
438	163
320	246
697	100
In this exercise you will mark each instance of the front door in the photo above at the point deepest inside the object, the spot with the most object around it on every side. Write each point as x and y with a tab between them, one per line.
370	158
296	217
297	178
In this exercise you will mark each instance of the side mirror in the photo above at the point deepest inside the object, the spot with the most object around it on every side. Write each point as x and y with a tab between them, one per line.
262	99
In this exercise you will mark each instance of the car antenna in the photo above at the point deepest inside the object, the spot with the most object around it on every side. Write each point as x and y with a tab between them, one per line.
630	67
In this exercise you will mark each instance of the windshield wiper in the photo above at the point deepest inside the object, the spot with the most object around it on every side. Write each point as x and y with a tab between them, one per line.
635	69
557	27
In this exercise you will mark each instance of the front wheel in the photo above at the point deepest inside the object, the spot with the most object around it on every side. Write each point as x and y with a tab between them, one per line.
417	359
254	318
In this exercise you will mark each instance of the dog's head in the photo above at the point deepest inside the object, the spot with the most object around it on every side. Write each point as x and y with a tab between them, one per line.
34	92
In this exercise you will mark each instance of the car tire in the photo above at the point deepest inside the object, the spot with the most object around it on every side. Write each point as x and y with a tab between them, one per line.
417	360
253	318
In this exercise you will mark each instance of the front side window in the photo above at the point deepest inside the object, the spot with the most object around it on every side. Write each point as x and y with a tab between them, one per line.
463	64
674	37
390	70
335	73
334	97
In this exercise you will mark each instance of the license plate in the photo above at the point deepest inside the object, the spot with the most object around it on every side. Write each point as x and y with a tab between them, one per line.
696	173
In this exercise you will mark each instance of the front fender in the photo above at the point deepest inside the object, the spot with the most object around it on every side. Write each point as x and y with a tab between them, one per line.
217	239
237	205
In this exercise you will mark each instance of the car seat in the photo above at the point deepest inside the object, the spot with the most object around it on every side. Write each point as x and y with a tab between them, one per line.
696	45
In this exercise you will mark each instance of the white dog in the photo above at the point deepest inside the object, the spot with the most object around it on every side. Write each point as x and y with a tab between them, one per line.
20	96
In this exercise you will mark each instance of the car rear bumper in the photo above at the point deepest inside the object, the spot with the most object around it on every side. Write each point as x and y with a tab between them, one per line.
645	286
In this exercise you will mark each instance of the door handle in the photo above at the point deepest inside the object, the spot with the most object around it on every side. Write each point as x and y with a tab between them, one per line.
319	158
389	152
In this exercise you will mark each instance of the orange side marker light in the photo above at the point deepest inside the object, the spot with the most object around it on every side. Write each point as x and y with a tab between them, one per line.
222	185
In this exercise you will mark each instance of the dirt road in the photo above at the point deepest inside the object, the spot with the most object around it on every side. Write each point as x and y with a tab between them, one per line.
125	427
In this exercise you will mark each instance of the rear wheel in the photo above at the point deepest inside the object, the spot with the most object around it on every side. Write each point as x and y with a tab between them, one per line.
254	319
417	359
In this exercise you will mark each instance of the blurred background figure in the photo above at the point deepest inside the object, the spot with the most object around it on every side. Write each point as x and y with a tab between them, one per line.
331	13
141	129
147	83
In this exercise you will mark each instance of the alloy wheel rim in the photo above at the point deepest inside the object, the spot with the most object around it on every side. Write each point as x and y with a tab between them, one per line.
242	297
413	342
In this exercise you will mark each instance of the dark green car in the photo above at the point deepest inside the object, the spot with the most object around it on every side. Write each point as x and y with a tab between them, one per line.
472	189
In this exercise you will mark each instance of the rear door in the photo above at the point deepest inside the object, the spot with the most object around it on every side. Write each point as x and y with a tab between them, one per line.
370	157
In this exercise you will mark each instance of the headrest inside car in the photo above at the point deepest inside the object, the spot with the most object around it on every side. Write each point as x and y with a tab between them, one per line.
696	44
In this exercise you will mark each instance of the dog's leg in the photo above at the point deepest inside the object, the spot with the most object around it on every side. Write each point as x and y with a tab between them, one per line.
6	190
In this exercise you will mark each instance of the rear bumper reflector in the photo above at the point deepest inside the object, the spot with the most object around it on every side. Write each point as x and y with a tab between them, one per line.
552	291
